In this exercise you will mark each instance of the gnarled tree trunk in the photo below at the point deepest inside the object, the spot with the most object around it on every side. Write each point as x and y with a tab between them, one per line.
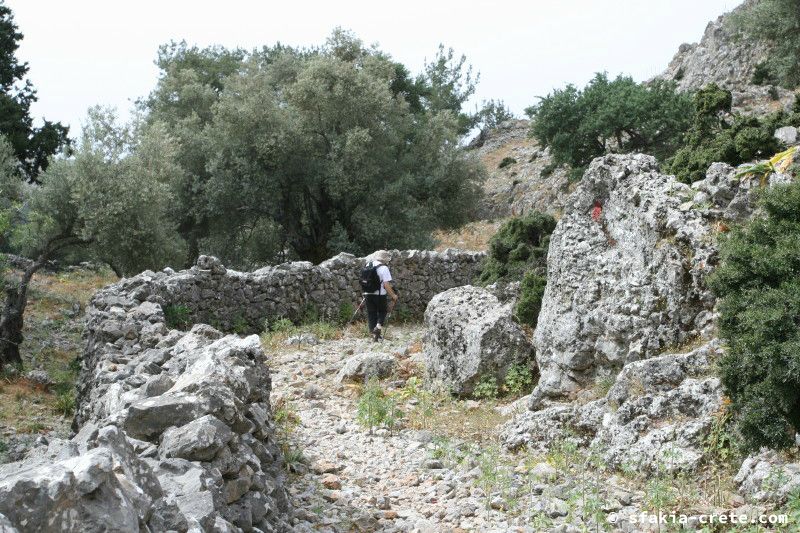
11	321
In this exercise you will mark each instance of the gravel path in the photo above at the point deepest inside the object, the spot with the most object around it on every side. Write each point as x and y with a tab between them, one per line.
360	482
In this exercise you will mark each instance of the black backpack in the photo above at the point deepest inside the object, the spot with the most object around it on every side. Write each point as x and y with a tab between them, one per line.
369	279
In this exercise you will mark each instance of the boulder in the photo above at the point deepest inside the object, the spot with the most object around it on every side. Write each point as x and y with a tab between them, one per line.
106	488
787	135
768	476
626	275
363	366
469	335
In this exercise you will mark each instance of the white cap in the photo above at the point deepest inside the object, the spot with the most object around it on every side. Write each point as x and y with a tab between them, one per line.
383	256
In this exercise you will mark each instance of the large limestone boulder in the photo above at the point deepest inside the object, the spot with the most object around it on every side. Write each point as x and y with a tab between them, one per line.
469	334
655	416
626	274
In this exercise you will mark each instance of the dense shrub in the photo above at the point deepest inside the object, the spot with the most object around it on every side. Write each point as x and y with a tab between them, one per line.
759	288
519	246
617	115
717	135
530	298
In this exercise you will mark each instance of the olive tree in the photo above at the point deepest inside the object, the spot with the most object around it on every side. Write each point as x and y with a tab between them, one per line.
325	151
112	199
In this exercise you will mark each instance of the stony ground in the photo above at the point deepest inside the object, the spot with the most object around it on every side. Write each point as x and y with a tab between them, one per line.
356	481
440	468
448	477
36	409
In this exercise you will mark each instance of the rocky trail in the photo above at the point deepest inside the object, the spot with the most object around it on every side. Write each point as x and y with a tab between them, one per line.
412	479
354	481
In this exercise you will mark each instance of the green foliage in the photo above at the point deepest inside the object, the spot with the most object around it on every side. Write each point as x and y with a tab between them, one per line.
240	326
519	246
777	23
762	75
33	146
760	308
518	380
721	442
492	114
65	403
177	316
486	388
281	325
718	136
506	162
376	408
346	310
301	153
617	115
448	82
530	298
190	84
423	410
492	476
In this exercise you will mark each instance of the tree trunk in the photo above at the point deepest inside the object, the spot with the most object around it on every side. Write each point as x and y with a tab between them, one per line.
11	321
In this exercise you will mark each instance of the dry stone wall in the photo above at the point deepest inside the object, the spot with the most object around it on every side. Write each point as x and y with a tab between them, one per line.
229	299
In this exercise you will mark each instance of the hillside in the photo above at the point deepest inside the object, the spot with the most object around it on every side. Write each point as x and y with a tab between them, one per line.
730	61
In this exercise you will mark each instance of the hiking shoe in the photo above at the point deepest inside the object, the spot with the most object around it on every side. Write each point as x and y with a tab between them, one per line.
376	333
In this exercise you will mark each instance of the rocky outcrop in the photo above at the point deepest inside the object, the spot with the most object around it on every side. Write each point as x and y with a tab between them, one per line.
654	417
768	477
212	294
626	270
470	335
729	61
527	180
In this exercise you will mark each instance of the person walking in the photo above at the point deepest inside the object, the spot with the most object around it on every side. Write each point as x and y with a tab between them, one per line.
376	283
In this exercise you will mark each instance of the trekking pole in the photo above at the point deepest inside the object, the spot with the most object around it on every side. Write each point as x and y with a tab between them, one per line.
364	299
386	320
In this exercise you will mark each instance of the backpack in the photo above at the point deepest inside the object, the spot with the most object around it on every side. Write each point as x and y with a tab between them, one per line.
369	279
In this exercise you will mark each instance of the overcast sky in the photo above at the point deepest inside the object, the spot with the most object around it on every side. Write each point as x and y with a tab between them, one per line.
87	52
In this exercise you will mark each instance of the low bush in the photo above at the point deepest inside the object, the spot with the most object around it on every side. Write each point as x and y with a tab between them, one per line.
519	246
719	136
507	161
177	316
376	408
518	380
530	298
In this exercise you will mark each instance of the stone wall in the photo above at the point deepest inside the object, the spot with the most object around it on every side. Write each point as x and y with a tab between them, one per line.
174	432
226	298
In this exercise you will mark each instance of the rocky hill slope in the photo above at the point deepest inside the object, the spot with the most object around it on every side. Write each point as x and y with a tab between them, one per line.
728	60
521	174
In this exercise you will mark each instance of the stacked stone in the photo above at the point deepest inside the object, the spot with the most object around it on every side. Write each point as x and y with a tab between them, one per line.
174	432
228	299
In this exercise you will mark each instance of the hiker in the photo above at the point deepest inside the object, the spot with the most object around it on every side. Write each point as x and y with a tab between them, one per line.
376	285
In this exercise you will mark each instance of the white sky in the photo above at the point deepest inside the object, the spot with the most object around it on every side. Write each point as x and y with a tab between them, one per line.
87	52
